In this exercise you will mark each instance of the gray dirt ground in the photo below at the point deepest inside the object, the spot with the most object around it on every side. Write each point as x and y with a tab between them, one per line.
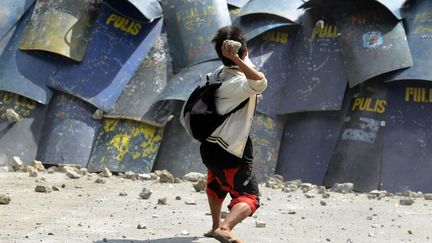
85	211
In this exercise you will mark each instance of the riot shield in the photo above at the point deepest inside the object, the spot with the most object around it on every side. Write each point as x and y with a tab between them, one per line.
407	154
316	80
26	73
270	54
190	26
418	21
255	25
69	131
237	3
150	9
358	152
20	138
10	12
60	26
139	99
117	47
372	43
287	9
124	145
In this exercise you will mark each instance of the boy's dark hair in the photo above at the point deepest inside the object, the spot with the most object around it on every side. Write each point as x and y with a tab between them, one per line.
229	33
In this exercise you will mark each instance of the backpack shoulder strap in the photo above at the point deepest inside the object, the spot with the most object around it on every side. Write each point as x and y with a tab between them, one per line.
241	105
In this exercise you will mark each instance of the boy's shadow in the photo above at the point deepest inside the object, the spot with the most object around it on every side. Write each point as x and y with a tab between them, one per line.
163	240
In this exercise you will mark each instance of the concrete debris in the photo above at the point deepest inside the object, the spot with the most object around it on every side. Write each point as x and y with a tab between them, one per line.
38	165
6	168
43	188
12	115
98	114
343	187
200	185
33	172
162	201
260	224
16	163
193	176
71	172
141	226
4	199
165	176
428	196
106	173
101	181
145	193
406	201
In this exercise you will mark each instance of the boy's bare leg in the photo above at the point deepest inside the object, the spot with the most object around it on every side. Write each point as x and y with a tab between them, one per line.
215	210
238	213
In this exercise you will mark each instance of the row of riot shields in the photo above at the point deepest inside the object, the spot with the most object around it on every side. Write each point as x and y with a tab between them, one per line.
101	84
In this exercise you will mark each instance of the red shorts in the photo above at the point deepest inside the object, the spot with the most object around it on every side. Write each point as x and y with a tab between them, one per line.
238	182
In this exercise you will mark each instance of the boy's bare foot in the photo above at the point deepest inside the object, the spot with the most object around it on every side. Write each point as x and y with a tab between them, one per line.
225	236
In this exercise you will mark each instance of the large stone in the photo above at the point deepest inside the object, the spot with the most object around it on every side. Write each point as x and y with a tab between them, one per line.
145	193
43	188
166	177
343	187
16	163
4	199
200	185
71	172
193	176
38	165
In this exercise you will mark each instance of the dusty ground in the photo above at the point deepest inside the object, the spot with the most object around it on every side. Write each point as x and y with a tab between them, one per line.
85	211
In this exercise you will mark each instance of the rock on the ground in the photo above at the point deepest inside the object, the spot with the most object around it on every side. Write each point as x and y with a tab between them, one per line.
106	173
43	188
428	196
4	199
16	163
406	201
145	193
38	165
260	224
193	176
101	181
131	175
343	187
83	171
33	172
6	168
162	201
165	176
144	176
275	182
71	172
200	185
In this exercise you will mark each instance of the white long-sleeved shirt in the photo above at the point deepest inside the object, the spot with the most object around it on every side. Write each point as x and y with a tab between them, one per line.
232	135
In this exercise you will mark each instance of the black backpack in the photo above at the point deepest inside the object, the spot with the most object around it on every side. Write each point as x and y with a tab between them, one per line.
199	116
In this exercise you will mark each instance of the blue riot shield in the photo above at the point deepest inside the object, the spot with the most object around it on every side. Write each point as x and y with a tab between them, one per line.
270	53
372	43
287	9
124	145
255	25
139	99
69	131
190	26
150	9
407	154
358	152
20	138
10	12
117	47
60	26
418	22
26	73
316	80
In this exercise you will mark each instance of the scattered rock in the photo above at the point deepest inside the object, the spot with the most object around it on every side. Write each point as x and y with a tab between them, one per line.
409	193
4	199
144	176
6	168
428	196
16	163
343	187
62	167
406	201
33	172
260	224
191	202
83	171
178	198
193	176
131	175
43	188
106	173
101	181
275	182
145	193
56	188
326	195
184	232
292	212
178	180
12	115
123	194
165	177
71	172
308	195
52	169
306	187
321	189
289	188
323	203
162	201
141	226
200	185
38	165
